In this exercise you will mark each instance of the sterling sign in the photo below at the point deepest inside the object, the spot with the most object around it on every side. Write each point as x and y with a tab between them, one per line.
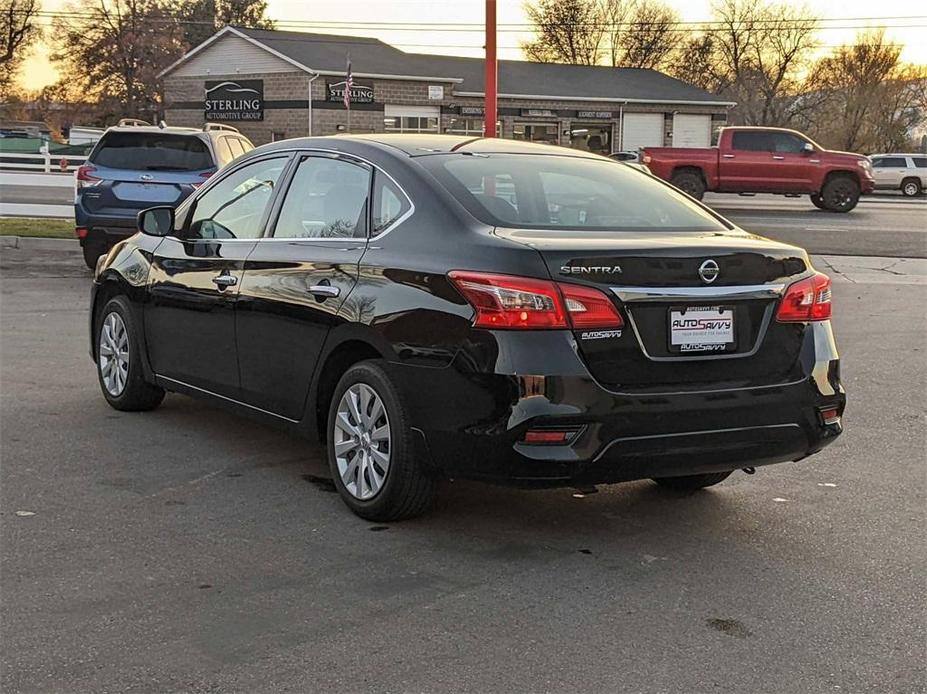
237	100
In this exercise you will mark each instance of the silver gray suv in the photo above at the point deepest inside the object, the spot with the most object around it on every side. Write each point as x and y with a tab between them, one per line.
904	172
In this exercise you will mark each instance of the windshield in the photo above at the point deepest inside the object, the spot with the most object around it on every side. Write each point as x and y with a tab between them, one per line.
152	152
550	192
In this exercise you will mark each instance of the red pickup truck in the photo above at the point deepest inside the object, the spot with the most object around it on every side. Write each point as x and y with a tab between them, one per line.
765	160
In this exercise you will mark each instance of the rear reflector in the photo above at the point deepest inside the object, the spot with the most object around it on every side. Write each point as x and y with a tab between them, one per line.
80	232
806	300
830	415
524	303
550	436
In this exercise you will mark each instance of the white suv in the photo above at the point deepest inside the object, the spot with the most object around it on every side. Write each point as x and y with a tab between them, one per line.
904	172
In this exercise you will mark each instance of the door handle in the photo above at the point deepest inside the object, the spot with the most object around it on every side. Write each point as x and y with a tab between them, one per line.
728	156
775	156
225	280
324	291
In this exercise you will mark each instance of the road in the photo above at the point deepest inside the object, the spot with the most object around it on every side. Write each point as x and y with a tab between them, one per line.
188	549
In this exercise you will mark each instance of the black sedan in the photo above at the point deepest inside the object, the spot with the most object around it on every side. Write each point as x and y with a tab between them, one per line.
435	306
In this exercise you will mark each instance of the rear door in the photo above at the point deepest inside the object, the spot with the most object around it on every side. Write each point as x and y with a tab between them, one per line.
745	166
195	279
144	168
297	280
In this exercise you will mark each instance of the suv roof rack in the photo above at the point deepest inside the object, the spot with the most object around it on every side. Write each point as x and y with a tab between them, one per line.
131	122
220	126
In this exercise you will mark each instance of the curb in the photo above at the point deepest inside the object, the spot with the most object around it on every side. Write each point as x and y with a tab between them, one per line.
39	244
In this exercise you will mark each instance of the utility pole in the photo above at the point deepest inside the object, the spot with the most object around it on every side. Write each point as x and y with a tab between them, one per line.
490	80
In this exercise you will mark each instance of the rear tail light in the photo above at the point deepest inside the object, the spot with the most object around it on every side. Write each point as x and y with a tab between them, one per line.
806	300
84	178
503	301
646	158
197	184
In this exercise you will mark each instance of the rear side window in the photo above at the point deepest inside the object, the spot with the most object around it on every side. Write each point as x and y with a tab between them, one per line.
920	162
150	151
224	151
751	141
890	163
389	203
554	192
234	144
327	198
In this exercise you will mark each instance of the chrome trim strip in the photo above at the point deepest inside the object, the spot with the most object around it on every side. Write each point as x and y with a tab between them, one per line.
741	291
223	397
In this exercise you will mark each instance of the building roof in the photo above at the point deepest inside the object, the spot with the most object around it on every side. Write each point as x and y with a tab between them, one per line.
327	54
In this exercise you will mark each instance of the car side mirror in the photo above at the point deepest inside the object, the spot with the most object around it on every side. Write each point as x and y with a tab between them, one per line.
807	148
156	221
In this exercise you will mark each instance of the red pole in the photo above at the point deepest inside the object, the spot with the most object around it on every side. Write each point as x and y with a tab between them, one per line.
489	112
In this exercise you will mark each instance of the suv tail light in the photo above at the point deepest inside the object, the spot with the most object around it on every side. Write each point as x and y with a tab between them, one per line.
83	177
806	300
522	303
204	176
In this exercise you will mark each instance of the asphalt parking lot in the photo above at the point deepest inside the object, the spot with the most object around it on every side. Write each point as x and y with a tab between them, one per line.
188	549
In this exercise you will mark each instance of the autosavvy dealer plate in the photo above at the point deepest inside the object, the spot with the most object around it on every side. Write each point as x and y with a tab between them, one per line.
702	329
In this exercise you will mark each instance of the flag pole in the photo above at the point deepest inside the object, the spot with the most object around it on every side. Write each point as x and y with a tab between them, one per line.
348	88
491	73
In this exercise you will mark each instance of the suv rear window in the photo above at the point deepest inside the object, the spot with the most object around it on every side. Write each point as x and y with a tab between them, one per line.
146	151
553	192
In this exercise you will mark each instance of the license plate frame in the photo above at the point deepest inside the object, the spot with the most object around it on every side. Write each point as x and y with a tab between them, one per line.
713	337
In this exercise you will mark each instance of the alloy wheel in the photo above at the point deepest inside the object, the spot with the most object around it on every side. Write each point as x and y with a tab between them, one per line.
114	354
910	189
362	441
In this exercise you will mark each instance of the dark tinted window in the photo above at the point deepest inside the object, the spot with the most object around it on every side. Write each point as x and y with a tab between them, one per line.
786	142
752	141
890	163
234	207
327	198
389	203
551	192
148	151
920	162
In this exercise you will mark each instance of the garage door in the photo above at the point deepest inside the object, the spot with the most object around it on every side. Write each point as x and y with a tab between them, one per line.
690	130
641	130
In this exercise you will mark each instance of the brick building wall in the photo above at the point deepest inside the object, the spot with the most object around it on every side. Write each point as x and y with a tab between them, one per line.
287	113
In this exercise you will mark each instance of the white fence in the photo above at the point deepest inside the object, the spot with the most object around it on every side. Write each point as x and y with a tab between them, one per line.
44	161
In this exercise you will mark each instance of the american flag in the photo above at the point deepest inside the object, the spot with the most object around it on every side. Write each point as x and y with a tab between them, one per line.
348	85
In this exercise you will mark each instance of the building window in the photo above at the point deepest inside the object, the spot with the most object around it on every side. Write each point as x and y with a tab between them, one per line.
591	137
537	132
410	124
470	126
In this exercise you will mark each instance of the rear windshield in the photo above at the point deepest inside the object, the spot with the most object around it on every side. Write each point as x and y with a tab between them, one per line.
550	192
152	152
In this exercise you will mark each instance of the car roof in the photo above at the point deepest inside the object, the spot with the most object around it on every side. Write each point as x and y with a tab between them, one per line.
174	130
899	154
423	144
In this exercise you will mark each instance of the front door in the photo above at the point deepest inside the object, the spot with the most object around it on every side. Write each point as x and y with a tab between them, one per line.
297	280
792	169
888	171
195	279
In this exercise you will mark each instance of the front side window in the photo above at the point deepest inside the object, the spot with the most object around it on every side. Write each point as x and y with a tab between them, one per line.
234	207
552	192
786	142
890	163
327	198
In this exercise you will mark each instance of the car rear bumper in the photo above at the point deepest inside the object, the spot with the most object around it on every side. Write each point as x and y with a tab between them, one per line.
474	424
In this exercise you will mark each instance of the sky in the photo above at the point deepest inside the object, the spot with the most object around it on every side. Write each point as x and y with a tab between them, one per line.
843	18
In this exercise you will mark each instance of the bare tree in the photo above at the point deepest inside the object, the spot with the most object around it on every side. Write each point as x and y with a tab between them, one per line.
568	31
651	35
200	19
19	29
867	99
115	50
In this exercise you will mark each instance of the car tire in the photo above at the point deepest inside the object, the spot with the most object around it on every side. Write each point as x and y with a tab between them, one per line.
910	187
368	426
690	183
118	357
840	194
817	201
691	483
